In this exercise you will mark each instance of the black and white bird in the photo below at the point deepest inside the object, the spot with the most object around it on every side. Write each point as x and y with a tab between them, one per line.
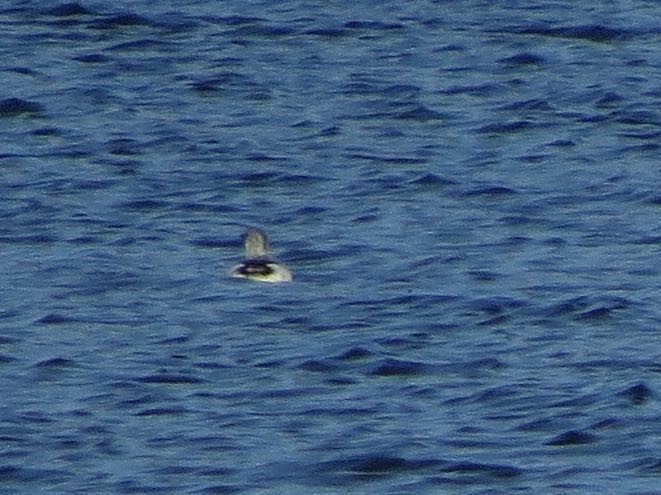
258	265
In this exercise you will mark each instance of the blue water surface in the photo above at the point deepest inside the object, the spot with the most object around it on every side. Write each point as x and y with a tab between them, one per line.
467	192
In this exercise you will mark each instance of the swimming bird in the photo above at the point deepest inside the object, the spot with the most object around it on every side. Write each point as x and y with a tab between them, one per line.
258	265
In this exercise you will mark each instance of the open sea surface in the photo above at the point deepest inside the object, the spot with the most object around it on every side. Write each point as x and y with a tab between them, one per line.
467	192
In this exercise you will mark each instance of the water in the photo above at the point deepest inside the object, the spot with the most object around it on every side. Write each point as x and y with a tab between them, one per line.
466	191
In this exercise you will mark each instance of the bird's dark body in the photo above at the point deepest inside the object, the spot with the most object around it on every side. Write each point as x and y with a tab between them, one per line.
255	267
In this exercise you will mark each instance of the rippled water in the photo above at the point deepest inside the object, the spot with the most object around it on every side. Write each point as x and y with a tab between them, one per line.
466	191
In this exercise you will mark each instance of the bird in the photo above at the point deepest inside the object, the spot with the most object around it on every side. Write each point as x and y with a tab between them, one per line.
258	265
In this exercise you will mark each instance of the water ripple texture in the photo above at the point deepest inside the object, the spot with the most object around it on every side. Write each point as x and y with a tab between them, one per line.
467	193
